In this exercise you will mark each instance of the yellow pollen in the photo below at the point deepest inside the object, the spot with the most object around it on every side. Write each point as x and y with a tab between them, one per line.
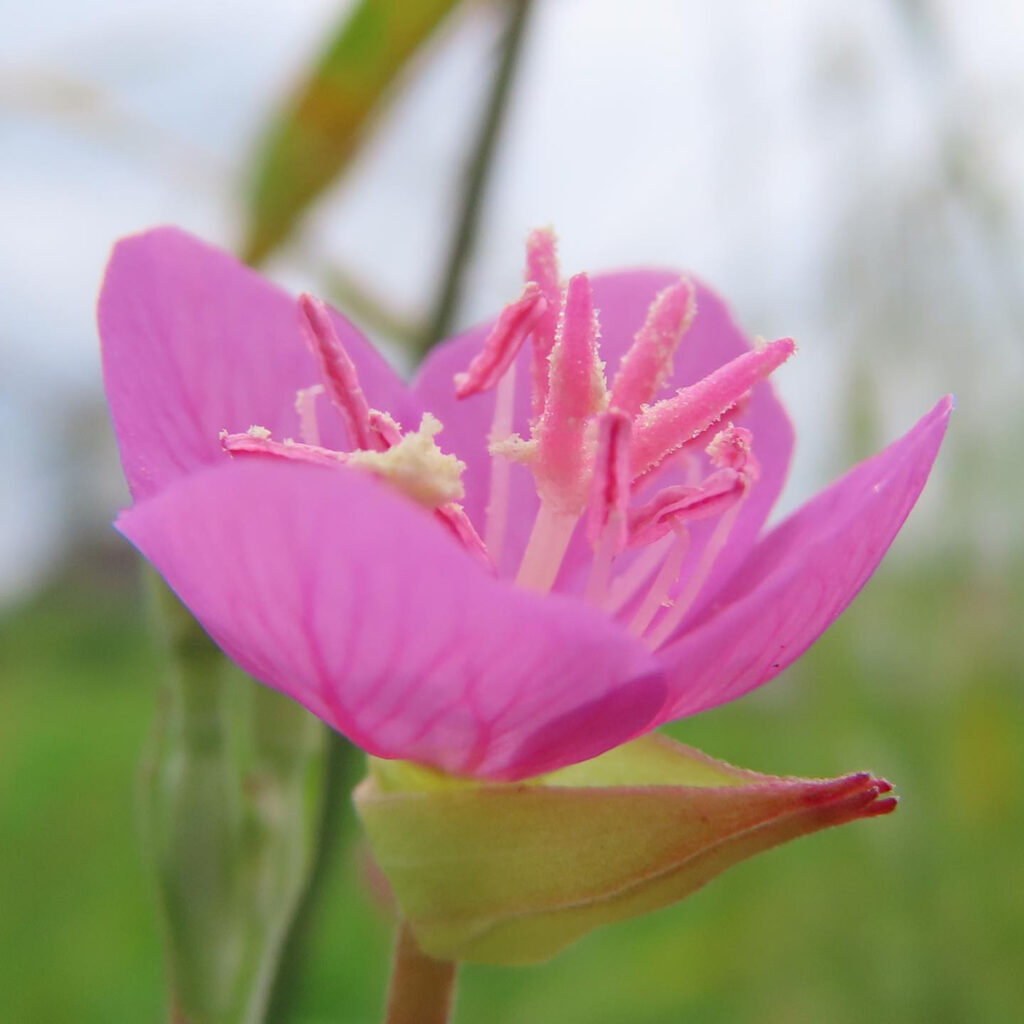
417	467
261	432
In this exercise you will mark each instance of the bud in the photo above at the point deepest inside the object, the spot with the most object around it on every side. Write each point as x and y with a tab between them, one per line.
511	873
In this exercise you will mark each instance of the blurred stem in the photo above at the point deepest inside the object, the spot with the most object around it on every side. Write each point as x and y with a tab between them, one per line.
231	802
344	765
422	989
478	173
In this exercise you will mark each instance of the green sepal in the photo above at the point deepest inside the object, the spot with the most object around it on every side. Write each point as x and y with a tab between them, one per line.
511	873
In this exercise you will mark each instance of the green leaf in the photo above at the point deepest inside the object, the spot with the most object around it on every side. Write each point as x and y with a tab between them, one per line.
312	140
512	873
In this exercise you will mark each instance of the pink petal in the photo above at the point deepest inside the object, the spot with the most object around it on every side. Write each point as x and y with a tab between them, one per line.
800	577
327	586
195	343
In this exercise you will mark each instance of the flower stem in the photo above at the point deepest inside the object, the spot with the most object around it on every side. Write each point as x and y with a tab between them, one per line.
422	989
477	176
231	793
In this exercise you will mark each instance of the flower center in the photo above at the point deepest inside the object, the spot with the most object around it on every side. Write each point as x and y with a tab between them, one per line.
591	448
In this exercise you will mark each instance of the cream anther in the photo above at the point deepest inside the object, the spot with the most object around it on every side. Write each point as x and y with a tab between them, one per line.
417	466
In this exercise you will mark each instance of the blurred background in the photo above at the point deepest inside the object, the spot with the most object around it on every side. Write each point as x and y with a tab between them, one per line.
849	174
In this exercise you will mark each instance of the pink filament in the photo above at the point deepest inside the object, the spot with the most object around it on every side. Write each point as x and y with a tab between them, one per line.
545	550
626	586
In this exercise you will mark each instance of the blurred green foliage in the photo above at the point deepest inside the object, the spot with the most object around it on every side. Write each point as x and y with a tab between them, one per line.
917	917
319	129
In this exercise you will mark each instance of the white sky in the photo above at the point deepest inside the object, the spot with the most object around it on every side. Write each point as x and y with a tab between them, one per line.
744	140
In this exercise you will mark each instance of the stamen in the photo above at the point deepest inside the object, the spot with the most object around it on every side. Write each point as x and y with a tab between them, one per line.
576	391
542	270
502	345
609	500
257	441
722	494
305	406
663	582
339	372
663	428
648	363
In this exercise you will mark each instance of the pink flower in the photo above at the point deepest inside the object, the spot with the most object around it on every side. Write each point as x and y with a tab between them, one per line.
495	613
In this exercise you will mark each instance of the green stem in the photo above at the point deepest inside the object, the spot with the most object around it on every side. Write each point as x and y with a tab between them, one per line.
477	176
231	802
422	989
